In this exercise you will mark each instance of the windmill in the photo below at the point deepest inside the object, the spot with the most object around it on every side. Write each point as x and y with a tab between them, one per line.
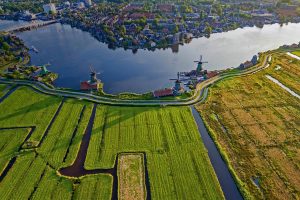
44	69
93	75
200	63
178	82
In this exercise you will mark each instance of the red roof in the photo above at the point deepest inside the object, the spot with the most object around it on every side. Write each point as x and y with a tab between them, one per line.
140	15
85	85
163	92
211	74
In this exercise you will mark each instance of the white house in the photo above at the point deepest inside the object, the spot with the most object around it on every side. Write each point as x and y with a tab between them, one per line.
49	8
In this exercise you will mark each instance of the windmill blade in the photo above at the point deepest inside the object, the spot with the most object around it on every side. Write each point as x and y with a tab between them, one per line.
200	58
205	62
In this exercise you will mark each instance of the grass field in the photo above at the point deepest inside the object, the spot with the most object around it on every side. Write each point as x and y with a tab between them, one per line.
175	154
286	70
297	53
24	107
177	162
10	142
256	125
3	89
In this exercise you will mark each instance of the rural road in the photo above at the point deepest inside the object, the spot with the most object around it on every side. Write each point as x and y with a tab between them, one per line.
200	94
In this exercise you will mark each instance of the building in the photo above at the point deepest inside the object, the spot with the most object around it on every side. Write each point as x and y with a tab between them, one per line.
92	84
246	65
163	92
67	4
254	60
88	3
27	16
49	8
80	5
165	7
41	71
211	74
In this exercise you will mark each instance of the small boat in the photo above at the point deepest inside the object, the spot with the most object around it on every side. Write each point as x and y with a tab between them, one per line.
34	49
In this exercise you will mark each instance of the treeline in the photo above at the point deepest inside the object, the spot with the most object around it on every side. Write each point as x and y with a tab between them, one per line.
11	7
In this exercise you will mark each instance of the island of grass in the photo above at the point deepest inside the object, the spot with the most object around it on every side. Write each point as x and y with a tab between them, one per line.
49	131
255	124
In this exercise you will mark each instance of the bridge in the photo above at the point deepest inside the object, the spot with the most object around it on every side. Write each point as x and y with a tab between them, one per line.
27	27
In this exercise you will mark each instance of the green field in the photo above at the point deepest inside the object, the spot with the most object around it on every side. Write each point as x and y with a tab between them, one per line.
256	126
285	69
297	53
3	89
177	161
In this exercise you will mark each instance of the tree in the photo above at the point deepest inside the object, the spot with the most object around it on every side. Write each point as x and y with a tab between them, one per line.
176	29
202	15
123	30
208	29
5	46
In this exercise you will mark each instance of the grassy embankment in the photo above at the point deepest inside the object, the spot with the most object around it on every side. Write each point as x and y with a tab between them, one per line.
255	124
177	162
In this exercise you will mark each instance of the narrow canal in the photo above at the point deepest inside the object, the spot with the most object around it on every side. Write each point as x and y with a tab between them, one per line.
225	178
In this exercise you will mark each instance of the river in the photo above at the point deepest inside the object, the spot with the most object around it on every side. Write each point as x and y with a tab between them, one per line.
71	51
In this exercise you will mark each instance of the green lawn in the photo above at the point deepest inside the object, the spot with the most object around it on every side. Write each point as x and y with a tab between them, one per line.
177	161
297	53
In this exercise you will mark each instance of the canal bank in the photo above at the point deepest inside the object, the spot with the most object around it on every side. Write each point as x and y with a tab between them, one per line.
225	178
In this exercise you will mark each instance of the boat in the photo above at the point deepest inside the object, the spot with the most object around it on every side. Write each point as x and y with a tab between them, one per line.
34	49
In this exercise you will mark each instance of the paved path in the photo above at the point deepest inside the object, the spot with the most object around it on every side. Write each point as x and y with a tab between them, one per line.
283	86
200	94
293	55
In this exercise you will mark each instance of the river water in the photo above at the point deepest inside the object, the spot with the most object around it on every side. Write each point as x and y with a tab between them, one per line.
70	52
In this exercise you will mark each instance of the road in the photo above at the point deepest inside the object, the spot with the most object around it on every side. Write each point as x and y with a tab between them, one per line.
200	94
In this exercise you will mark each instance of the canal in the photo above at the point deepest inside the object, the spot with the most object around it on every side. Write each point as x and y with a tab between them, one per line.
225	178
70	52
